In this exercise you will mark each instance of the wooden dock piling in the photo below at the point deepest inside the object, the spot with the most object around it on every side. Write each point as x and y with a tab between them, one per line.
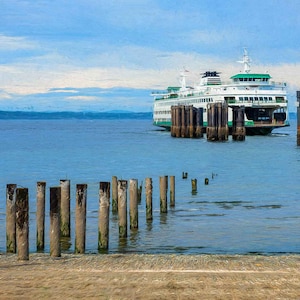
187	121
194	185
122	208
172	191
104	200
133	204
163	183
65	221
114	194
149	216
238	123
55	198
11	244
80	218
217	119
22	223
40	215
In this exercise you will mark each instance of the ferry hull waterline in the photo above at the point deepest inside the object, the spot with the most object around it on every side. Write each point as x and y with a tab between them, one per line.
265	101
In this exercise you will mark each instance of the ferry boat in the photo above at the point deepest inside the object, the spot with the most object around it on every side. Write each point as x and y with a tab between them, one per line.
265	101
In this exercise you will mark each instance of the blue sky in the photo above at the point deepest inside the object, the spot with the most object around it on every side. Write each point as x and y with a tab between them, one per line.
107	55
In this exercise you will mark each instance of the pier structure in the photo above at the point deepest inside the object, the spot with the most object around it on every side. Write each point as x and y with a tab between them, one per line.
187	121
238	123
217	122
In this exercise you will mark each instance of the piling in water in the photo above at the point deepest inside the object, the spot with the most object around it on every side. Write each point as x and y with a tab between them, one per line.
217	119
104	201
194	185
80	218
206	181
55	198
133	204
65	226
187	121
40	215
22	223
114	196
149	216
238	123
163	183
172	191
11	245
122	208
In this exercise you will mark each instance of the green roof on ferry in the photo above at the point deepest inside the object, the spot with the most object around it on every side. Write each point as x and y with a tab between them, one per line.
245	75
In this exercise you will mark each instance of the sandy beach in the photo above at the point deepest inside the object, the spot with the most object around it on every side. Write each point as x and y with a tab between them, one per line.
137	276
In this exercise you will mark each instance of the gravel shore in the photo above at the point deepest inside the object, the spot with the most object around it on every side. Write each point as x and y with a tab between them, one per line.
138	276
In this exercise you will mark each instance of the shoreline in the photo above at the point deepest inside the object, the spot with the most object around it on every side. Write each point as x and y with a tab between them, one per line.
148	276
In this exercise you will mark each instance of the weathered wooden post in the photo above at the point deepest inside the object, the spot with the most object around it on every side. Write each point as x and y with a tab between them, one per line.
178	121
149	199
133	204
199	122
22	223
298	118
80	218
172	191
163	180
183	121
206	181
194	186
114	196
122	208
217	117
211	133
173	121
191	122
104	200
65	221
11	246
184	175
40	215
238	125
55	198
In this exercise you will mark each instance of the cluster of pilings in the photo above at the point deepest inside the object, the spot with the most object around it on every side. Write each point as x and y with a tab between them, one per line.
298	118
187	121
217	122
238	123
17	213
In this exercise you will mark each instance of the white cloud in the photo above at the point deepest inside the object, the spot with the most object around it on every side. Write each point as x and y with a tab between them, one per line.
82	98
12	43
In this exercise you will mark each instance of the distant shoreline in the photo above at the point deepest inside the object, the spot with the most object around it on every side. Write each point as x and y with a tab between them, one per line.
28	115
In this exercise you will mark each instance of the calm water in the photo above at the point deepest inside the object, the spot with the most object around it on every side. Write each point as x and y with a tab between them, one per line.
251	205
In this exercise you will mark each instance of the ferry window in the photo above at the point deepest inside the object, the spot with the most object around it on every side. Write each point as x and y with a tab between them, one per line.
256	98
241	98
270	99
261	98
246	98
251	98
265	98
